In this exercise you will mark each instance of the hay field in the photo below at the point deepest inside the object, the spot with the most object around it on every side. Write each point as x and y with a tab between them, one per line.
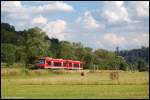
18	83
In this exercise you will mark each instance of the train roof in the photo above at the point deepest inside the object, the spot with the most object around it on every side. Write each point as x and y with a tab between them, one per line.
49	58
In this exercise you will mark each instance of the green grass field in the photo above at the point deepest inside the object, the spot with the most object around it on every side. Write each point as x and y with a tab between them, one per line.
46	84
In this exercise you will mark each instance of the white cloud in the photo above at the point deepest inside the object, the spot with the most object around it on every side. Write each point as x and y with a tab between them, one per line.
16	6
10	6
51	7
14	16
141	39
40	20
56	29
63	6
114	39
88	21
114	3
16	10
139	8
131	41
115	11
109	41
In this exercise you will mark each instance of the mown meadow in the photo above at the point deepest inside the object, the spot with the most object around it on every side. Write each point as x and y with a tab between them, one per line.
44	83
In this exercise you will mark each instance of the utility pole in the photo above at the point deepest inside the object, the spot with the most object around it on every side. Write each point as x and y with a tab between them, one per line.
117	50
117	54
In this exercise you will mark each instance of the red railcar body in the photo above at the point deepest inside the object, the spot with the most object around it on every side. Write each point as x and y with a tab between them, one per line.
52	63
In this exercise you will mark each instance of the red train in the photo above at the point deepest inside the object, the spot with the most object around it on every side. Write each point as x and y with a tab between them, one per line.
52	63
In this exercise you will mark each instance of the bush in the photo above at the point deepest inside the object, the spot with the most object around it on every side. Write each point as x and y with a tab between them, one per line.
32	66
141	65
8	53
123	66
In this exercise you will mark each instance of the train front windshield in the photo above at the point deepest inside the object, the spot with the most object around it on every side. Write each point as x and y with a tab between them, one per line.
41	61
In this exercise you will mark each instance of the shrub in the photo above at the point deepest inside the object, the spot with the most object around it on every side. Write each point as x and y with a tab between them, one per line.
123	66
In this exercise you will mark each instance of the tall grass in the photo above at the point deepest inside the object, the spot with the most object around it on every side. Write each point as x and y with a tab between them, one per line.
10	71
25	71
14	65
66	77
21	71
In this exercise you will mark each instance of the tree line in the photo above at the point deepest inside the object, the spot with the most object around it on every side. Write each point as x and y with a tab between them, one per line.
138	59
28	45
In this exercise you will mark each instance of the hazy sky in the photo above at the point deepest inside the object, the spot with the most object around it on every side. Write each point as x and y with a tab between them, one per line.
97	24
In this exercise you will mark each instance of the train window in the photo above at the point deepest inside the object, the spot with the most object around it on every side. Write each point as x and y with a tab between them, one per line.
76	65
64	64
70	64
57	63
49	63
41	61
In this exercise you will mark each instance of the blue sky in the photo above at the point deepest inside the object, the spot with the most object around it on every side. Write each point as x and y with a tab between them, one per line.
97	24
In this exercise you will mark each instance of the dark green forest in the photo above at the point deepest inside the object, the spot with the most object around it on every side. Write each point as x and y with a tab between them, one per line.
28	45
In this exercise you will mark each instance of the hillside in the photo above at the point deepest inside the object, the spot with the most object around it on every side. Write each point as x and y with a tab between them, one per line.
134	55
